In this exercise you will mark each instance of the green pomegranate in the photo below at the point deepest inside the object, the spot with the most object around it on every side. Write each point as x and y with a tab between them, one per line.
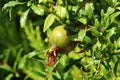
59	39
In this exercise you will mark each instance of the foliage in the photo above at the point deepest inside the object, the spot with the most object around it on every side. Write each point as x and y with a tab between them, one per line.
25	26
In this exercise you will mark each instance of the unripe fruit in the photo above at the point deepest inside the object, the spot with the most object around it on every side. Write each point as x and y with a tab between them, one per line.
59	38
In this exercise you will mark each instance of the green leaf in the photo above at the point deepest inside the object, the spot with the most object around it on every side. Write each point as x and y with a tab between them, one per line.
117	68
7	68
114	15
64	61
67	75
17	58
109	11
22	63
96	46
88	39
110	33
35	75
102	13
50	77
118	43
34	53
104	69
61	12
75	73
23	18
89	10
95	32
38	73
57	74
83	20
49	21
117	78
9	77
118	8
96	24
11	4
81	34
37	10
13	12
6	53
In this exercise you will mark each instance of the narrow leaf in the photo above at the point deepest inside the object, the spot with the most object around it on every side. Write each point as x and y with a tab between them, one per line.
11	4
23	18
81	34
18	58
49	21
109	11
37	10
110	33
75	73
6	67
114	15
22	63
61	12
96	24
96	46
34	53
9	77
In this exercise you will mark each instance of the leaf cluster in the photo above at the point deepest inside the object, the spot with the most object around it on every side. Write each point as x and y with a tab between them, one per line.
25	26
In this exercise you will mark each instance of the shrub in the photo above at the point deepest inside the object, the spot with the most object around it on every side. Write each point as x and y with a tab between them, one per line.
25	27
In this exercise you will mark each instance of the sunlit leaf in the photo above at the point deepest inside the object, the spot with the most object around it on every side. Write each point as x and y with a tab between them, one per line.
11	4
38	73
37	10
75	73
61	12
118	43
57	74
114	15
50	77
96	46
118	8
110	33
23	18
83	20
96	24
81	34
9	77
102	13
109	11
64	61
35	75
49	21
89	10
